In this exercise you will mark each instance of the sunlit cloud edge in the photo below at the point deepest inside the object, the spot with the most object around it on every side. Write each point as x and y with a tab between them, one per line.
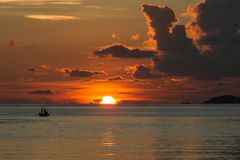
51	17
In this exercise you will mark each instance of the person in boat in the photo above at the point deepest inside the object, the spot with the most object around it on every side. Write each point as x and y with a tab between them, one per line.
43	113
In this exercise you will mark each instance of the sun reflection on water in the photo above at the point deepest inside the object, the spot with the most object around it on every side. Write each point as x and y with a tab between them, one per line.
108	139
108	142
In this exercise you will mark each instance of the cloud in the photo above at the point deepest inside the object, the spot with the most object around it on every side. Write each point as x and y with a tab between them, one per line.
116	78
45	66
114	36
94	7
43	2
159	20
121	51
143	72
124	93
51	17
205	49
210	28
43	92
67	2
31	70
135	37
82	73
181	56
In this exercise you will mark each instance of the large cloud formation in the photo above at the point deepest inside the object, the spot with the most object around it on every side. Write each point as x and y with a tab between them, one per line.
121	51
208	48
215	22
181	56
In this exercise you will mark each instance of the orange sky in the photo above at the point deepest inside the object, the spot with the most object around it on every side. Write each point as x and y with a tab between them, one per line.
46	54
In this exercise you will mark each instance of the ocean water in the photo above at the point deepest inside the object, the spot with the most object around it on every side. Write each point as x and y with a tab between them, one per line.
166	132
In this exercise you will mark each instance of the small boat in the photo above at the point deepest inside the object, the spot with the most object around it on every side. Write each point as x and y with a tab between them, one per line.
43	113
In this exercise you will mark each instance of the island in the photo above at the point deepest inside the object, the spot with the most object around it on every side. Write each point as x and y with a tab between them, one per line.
226	99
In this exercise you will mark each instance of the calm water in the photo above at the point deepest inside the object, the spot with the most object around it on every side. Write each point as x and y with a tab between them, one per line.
123	133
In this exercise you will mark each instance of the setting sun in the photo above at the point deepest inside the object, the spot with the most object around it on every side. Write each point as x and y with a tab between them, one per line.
108	100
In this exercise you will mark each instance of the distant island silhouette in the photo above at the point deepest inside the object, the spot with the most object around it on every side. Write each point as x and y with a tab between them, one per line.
226	99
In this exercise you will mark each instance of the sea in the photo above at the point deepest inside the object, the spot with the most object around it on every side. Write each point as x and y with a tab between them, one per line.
134	132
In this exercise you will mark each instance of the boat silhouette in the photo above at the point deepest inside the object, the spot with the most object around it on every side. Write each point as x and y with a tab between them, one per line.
43	113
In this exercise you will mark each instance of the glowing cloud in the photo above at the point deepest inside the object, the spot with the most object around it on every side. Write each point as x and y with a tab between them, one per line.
114	36
51	17
135	37
35	2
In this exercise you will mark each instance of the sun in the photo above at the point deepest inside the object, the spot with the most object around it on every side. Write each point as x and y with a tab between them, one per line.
108	100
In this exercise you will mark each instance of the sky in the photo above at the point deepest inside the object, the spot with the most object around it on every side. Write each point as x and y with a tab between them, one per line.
138	51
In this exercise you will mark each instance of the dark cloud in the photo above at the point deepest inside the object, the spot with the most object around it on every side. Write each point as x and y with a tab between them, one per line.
116	78
160	20
209	14
168	36
121	51
217	21
31	70
43	92
210	51
181	56
143	72
82	73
